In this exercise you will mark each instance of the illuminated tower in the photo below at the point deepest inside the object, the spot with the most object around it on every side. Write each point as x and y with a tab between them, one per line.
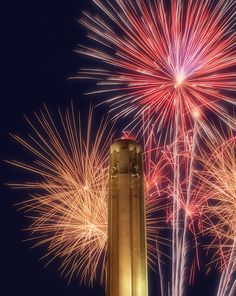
127	253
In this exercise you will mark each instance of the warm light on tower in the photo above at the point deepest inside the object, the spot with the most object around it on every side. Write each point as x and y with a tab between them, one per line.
127	253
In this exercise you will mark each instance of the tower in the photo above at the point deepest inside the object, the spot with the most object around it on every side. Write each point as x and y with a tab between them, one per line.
127	253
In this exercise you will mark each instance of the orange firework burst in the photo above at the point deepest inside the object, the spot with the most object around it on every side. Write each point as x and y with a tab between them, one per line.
219	180
69	208
219	177
69	211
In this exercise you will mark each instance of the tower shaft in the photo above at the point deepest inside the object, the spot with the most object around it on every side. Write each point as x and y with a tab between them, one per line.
127	254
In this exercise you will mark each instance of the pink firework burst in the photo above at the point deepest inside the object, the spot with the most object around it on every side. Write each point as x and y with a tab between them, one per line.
161	57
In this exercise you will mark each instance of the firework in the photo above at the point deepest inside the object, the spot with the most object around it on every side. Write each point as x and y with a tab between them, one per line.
163	57
218	176
185	216
69	207
171	62
185	198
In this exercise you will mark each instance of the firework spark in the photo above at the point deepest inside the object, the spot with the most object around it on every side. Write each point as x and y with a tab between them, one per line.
69	208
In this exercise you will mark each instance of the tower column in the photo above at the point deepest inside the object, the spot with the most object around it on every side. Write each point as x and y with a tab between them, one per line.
127	254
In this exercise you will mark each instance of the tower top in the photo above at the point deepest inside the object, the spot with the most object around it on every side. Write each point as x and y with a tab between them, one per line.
125	144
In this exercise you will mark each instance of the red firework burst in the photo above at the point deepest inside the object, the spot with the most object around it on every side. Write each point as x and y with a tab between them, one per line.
162	58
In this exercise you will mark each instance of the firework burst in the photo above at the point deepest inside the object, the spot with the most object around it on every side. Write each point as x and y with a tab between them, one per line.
219	180
164	57
69	209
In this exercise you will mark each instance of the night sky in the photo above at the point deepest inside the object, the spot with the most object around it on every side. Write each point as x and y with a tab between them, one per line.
37	57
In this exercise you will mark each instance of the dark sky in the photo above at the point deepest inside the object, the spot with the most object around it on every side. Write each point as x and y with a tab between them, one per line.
36	58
